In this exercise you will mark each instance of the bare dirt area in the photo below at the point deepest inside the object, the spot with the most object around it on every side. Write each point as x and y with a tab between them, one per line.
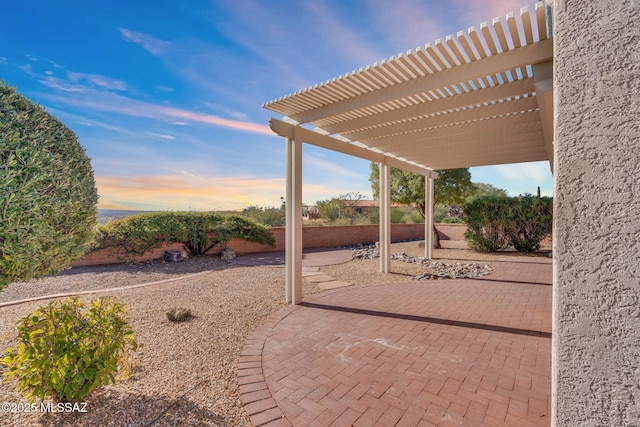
184	373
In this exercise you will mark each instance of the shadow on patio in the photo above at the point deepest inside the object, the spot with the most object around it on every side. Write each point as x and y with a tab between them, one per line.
470	352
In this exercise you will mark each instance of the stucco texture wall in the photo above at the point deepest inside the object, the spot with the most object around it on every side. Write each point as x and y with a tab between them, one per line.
596	336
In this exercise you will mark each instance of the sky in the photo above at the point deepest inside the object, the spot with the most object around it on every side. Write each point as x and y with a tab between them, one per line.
166	96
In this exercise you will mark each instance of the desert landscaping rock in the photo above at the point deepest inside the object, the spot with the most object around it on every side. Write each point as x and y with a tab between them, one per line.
437	269
175	256
227	254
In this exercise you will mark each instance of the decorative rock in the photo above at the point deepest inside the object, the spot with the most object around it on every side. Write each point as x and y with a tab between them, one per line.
366	253
175	256
438	269
227	254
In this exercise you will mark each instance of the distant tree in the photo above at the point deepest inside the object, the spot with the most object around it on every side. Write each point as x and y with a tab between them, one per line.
343	206
48	195
269	216
481	189
451	187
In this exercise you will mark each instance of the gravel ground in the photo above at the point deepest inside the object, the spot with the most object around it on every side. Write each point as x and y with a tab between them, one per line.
184	373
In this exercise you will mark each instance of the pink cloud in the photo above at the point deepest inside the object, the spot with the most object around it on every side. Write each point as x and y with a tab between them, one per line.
122	105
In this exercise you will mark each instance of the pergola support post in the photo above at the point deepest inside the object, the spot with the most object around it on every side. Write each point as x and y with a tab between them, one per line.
293	261
428	216
385	217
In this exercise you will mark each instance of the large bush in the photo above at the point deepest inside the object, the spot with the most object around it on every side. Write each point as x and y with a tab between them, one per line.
47	191
496	222
533	221
65	351
488	223
199	232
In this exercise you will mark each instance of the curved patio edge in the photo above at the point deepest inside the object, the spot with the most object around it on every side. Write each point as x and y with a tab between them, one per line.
253	390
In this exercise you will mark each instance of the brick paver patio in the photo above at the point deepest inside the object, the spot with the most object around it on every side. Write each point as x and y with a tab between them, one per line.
430	353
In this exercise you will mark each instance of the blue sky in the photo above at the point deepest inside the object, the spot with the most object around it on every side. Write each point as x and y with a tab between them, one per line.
166	96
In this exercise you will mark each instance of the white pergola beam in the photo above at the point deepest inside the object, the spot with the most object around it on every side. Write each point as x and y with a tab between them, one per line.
543	83
428	217
496	140
385	217
287	130
489	94
456	117
293	245
520	57
462	130
531	143
490	159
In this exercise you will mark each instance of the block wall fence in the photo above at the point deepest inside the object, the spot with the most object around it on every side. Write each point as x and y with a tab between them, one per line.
312	237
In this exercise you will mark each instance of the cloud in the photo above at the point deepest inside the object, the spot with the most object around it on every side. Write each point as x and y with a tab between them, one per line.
108	102
3	60
187	191
163	136
340	35
151	44
535	171
329	168
477	11
409	23
98	81
85	121
78	82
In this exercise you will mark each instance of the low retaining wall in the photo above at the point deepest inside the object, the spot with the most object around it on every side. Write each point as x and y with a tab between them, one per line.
312	237
328	236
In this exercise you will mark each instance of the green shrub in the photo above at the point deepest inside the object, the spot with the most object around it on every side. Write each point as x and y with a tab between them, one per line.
199	232
397	215
533	218
330	209
489	223
47	191
66	351
179	314
271	217
440	212
496	222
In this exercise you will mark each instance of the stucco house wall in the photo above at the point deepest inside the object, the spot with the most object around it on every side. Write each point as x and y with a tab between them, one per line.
596	336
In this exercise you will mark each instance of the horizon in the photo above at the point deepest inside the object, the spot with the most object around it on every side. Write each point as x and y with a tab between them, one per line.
166	98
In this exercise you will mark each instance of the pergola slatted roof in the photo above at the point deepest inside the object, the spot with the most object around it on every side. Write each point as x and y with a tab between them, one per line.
480	97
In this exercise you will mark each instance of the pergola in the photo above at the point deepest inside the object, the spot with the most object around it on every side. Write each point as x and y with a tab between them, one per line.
481	97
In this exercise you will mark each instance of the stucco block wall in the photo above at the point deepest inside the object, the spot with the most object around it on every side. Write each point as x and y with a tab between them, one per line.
312	237
596	336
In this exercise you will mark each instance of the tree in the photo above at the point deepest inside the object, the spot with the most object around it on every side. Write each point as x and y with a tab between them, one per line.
47	191
343	206
451	187
482	189
269	216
